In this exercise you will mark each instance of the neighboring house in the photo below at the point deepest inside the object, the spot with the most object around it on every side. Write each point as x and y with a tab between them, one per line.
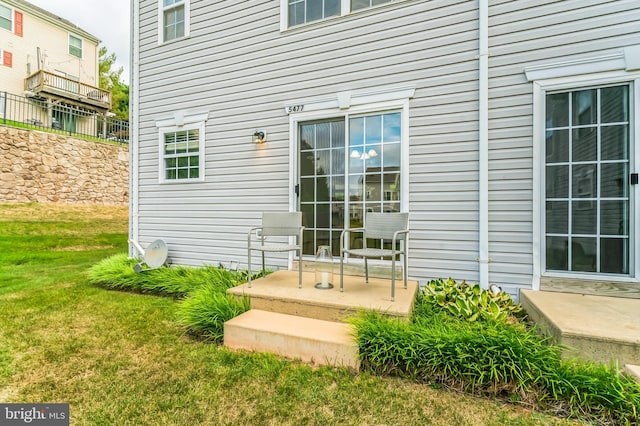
52	62
508	130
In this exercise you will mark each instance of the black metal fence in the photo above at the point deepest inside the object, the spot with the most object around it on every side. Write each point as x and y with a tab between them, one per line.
41	114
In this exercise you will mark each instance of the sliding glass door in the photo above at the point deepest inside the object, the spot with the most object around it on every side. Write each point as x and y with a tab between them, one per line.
341	178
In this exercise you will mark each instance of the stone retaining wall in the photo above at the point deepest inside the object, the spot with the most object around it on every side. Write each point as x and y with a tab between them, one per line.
43	167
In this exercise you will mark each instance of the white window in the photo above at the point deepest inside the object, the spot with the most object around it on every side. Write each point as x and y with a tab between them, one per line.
363	4
75	46
173	20
182	151
585	156
6	18
299	12
305	11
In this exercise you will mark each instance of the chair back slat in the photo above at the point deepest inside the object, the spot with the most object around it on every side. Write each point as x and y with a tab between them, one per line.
281	223
383	225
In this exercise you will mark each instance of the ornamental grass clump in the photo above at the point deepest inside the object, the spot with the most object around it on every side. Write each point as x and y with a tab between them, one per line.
206	310
117	273
497	357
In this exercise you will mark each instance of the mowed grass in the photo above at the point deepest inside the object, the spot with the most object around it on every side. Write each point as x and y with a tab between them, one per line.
122	358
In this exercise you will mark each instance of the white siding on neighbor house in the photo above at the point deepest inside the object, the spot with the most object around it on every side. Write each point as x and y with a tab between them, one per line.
524	33
239	65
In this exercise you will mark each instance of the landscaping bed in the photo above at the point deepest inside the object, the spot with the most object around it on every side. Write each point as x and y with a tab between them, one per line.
460	337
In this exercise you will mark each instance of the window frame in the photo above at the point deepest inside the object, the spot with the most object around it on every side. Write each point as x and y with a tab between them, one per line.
161	14
345	10
69	45
566	78
162	176
12	18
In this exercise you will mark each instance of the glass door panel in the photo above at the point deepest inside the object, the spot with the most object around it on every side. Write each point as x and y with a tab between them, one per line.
343	178
587	191
322	189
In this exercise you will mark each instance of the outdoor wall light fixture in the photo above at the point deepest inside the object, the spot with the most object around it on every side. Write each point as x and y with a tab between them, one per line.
259	136
364	155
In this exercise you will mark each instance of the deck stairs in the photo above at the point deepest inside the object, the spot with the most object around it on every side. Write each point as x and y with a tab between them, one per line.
309	323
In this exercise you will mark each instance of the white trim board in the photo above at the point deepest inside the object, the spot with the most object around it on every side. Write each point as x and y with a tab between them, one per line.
626	60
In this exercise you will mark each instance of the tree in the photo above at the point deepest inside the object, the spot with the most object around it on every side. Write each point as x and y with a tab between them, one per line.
109	79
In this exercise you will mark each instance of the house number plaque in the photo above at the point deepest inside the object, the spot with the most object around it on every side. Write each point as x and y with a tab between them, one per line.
294	108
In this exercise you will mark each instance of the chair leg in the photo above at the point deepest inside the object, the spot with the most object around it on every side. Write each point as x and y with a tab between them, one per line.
393	277
249	267
341	272
299	268
366	271
404	269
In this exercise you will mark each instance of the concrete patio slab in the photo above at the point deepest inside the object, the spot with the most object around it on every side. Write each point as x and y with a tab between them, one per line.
279	292
600	328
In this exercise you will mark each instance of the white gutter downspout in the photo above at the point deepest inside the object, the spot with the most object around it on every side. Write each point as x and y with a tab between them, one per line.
134	126
483	143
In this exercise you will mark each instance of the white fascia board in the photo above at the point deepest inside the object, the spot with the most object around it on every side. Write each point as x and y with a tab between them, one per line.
597	64
628	59
348	99
182	118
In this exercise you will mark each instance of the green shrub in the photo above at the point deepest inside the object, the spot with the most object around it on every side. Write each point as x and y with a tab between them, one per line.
205	311
470	301
117	273
496	358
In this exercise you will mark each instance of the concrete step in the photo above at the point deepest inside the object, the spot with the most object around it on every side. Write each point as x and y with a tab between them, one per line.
310	340
599	328
279	292
633	370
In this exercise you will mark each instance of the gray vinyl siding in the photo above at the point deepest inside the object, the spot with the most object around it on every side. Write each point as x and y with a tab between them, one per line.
524	33
239	65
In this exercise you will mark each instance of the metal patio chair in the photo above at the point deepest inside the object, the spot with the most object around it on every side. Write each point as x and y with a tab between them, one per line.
387	227
276	224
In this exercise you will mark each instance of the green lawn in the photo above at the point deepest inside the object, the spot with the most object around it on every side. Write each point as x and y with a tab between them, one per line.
121	358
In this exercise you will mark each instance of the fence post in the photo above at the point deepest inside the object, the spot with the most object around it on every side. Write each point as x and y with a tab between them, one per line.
4	108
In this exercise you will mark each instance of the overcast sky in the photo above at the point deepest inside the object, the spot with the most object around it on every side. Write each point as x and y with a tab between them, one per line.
108	20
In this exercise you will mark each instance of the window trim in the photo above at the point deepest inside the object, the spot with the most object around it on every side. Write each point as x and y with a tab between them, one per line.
69	46
12	17
563	80
178	121
187	20
345	10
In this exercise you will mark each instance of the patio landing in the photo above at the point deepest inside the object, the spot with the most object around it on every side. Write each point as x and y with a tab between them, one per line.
599	328
308	323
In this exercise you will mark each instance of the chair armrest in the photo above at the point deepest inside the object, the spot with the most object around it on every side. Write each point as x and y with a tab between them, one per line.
347	231
251	231
395	237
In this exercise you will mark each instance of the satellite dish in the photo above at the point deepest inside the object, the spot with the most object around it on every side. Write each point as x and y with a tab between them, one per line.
154	256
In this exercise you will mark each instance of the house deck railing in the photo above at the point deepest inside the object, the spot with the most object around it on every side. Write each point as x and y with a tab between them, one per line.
46	82
39	114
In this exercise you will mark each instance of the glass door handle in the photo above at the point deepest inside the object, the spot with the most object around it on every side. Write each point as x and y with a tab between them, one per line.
633	179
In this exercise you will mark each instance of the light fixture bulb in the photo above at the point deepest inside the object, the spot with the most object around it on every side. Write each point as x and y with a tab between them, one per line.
355	154
372	153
